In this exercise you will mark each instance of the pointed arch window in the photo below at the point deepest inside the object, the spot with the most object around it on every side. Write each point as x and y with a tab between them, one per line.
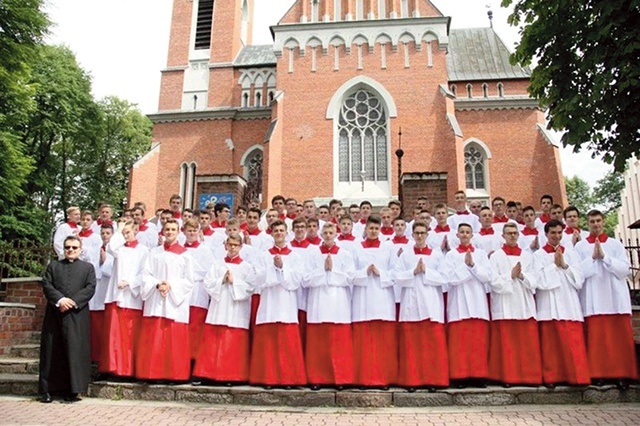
475	166
363	138
253	173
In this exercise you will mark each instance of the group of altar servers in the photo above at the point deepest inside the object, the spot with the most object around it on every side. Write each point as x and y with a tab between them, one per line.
275	308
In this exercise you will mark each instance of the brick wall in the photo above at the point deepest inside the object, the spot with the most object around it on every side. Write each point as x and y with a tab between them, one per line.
21	312
414	185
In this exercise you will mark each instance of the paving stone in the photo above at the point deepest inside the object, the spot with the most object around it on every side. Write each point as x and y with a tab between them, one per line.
549	397
364	399
422	399
484	398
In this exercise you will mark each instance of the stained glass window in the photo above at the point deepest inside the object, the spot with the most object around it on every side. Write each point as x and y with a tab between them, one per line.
474	168
362	146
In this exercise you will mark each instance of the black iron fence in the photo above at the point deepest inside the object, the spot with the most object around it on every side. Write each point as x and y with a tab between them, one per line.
24	259
633	251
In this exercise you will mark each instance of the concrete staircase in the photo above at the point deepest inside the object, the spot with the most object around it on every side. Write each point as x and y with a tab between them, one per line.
19	376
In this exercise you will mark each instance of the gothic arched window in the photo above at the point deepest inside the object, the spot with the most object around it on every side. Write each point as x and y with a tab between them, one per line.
475	167
363	138
253	174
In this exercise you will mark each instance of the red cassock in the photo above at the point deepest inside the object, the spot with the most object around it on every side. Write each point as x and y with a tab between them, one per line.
120	335
375	347
422	360
514	352
224	354
276	355
468	344
564	359
329	354
97	324
197	315
173	362
610	347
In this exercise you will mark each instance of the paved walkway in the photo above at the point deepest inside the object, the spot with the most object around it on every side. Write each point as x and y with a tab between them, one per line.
26	411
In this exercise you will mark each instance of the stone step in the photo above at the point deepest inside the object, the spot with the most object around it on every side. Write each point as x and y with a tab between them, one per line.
29	350
19	365
35	337
18	384
27	384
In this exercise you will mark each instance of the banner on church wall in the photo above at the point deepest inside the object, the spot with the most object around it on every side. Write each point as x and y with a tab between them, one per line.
214	199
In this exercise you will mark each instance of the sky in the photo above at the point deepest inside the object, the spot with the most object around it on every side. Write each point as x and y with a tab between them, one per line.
123	45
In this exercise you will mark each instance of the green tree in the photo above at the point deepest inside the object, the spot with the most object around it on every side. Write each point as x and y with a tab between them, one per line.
123	136
579	194
23	25
607	191
587	72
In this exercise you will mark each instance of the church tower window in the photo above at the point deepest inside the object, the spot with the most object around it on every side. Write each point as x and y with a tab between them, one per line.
363	135
475	167
204	24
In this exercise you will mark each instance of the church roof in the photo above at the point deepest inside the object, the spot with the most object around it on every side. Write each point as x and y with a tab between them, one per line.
474	54
479	54
256	55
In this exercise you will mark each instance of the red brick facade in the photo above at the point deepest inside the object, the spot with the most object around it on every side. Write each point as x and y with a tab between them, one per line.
21	312
319	58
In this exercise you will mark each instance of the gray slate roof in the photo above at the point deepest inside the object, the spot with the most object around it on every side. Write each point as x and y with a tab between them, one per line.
255	55
479	54
474	54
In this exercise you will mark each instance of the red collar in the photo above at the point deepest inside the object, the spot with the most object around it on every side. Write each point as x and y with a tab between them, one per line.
386	230
243	226
463	212
463	249
236	260
277	250
282	216
529	231
72	225
253	232
194	244
363	221
544	217
551	249
512	251
84	233
568	230
143	226
439	229
291	216
316	241
208	231
602	238
216	224
131	244
400	240
424	250
174	248
326	250
177	215
503	219
268	231
367	243
487	231
300	244
107	222
348	237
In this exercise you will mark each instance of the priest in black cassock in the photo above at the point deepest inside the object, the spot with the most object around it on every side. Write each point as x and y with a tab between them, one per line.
65	362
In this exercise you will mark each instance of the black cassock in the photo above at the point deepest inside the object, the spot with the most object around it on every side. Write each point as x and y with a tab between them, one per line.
65	360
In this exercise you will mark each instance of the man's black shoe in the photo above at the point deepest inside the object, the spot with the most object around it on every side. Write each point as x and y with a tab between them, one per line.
46	398
72	397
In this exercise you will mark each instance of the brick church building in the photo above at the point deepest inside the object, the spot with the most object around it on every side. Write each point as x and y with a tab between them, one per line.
322	111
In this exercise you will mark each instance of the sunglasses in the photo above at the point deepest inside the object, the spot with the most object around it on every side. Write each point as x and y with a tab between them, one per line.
71	247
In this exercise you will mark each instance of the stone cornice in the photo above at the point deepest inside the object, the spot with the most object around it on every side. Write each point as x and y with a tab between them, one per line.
513	102
212	114
393	29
